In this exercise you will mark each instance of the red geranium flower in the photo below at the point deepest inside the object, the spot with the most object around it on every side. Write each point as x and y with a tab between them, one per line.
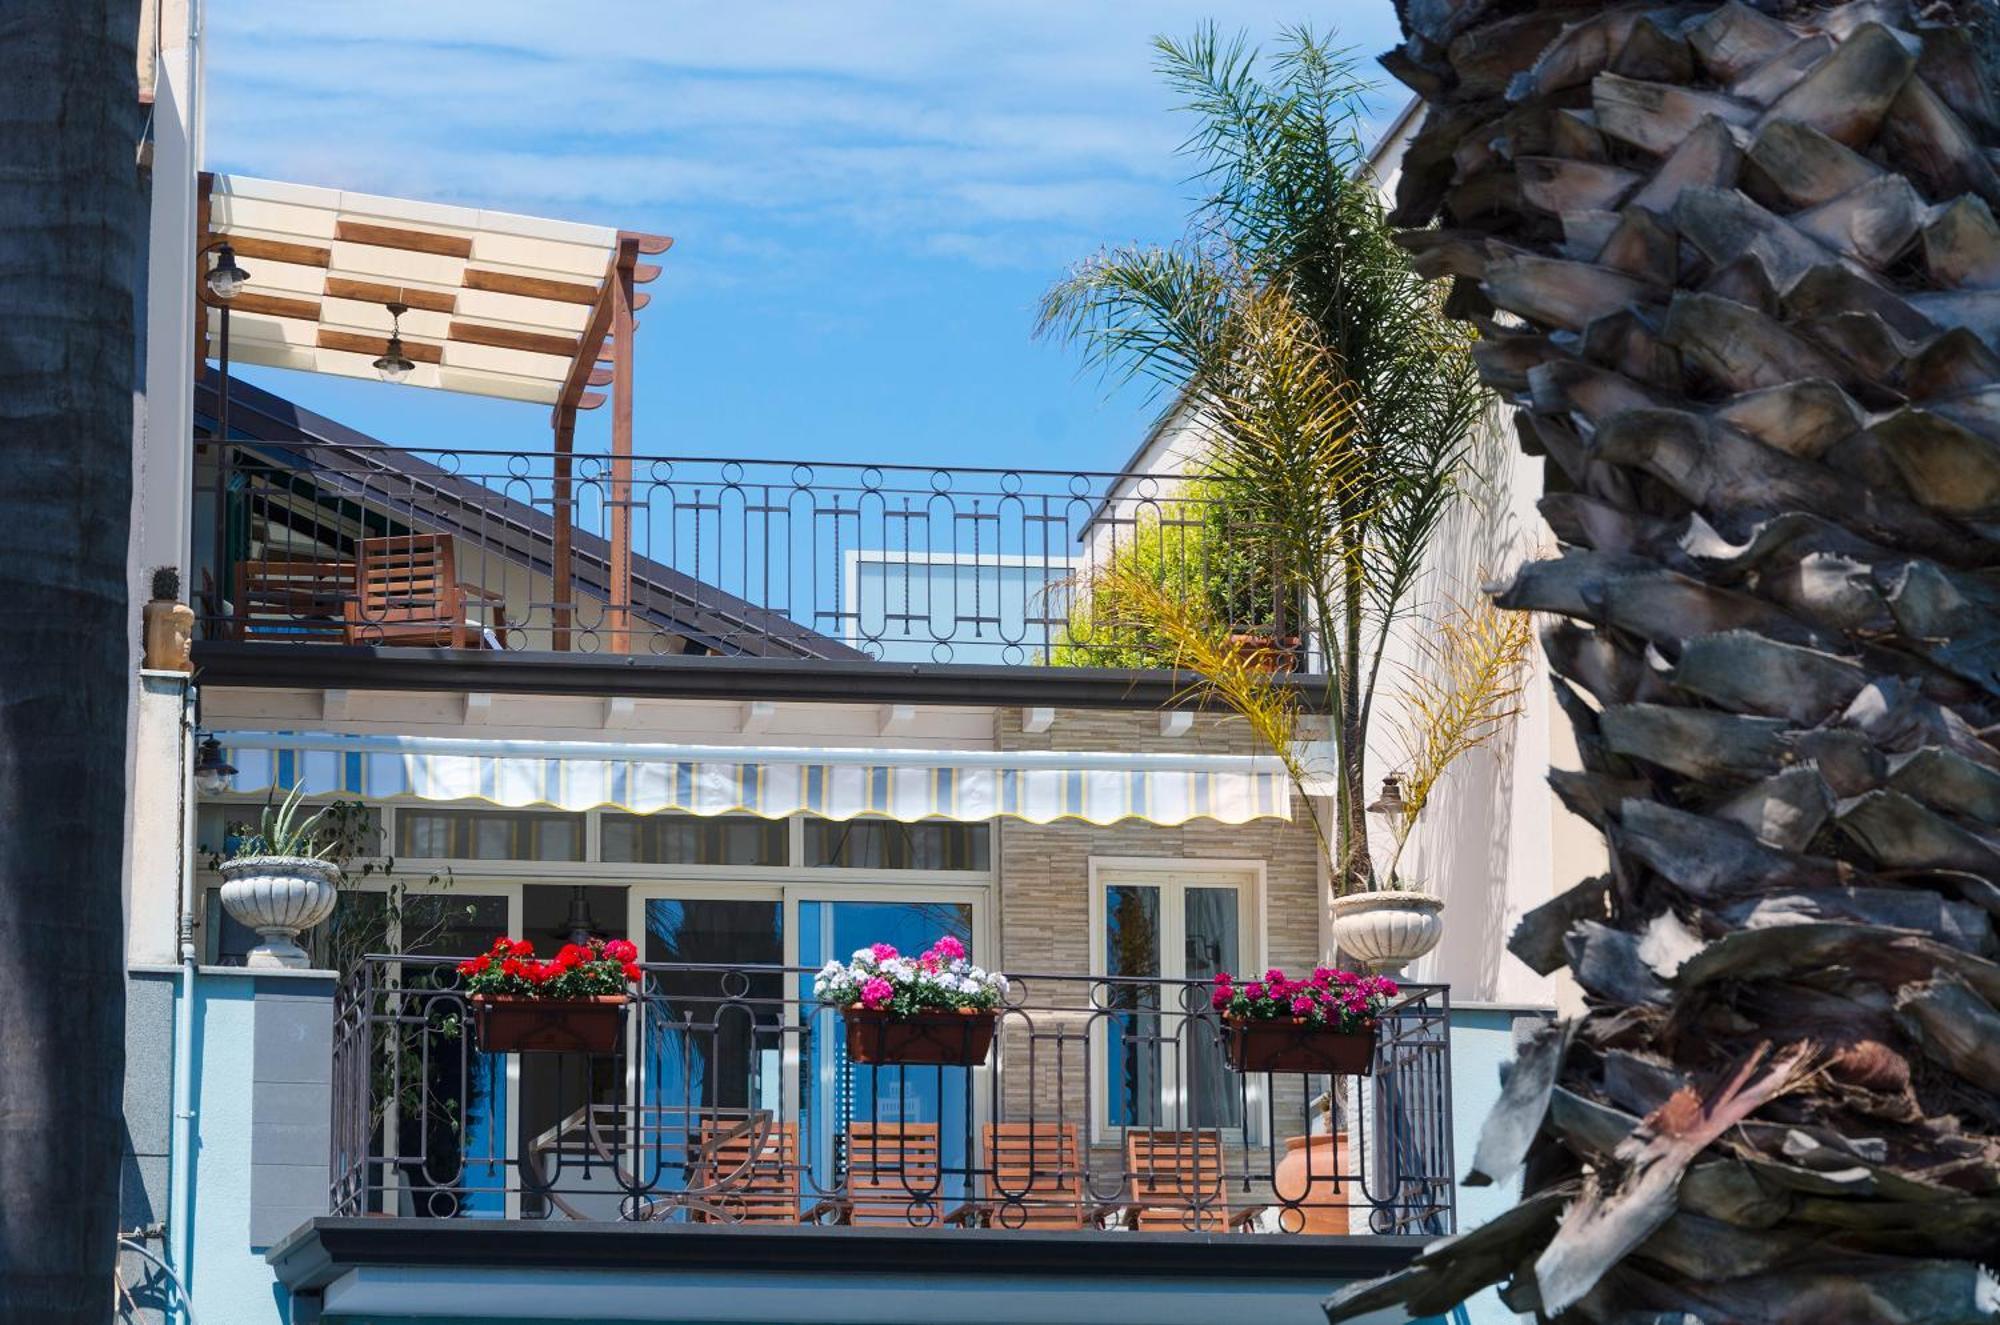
620	950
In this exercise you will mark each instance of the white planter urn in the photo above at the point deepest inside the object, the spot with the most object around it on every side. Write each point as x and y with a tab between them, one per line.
1386	931
279	896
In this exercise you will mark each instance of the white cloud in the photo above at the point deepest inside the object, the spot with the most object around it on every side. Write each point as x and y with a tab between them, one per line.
974	129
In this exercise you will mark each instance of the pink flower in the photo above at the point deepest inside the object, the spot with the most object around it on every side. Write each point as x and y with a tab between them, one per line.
1255	991
1302	1006
948	949
1220	999
877	991
1274	976
884	952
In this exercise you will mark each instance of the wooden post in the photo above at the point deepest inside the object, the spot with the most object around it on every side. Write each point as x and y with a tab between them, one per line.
618	619
562	575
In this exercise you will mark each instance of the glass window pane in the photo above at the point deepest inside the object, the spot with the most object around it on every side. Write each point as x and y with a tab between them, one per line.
686	839
884	844
1132	1026
1211	921
428	834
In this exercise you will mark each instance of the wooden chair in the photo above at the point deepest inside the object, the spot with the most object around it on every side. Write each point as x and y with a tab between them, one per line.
283	600
745	1171
893	1177
1036	1178
407	591
1176	1183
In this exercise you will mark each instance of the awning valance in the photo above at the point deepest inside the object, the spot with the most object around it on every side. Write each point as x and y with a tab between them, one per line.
1098	787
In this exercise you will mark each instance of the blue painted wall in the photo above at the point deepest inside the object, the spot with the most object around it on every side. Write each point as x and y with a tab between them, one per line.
1481	1040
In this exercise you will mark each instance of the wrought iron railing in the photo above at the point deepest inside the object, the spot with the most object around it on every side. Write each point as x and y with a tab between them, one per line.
1104	1103
310	541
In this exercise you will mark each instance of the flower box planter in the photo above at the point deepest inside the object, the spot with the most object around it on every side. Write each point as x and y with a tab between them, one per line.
1282	1045
949	1039
517	1024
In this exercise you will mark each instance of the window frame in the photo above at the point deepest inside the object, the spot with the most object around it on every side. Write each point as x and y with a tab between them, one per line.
1173	876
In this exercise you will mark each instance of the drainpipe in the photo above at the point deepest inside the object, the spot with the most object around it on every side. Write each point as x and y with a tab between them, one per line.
180	1177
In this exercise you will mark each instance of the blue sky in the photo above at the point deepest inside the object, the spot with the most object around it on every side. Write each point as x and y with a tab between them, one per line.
867	196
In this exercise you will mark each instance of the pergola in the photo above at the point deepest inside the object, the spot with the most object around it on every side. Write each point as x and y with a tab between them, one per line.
497	305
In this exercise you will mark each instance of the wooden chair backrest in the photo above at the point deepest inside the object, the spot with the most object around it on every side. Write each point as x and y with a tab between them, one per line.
1037	1176
1176	1179
746	1171
407	582
280	599
893	1174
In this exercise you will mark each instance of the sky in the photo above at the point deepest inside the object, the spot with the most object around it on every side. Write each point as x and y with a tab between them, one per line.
867	197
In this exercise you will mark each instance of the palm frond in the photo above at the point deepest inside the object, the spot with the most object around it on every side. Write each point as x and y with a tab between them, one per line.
1461	696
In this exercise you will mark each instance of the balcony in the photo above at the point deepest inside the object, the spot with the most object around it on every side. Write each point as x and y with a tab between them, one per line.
309	533
1106	1106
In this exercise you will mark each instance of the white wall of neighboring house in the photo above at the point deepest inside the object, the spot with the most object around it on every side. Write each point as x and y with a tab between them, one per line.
162	462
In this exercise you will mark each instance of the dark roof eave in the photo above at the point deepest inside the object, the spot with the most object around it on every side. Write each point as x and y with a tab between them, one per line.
273	665
321	1250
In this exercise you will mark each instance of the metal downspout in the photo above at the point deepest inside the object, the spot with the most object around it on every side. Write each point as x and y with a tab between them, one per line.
180	1171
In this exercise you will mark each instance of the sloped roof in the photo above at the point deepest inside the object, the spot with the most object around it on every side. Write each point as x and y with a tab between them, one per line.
338	459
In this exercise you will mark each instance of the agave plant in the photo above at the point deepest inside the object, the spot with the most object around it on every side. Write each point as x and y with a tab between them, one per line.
1325	388
1737	265
280	832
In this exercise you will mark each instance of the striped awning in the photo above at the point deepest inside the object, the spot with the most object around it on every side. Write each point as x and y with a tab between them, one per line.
1097	787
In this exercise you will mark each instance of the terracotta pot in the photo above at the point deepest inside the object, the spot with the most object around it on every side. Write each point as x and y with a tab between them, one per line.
169	629
517	1024
1297	1046
1310	1174
1386	931
1266	653
279	896
953	1039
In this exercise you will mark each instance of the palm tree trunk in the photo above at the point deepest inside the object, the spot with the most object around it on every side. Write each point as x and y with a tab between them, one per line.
70	234
1754	276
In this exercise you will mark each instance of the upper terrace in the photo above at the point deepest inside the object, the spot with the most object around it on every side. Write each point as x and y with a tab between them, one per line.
326	536
307	532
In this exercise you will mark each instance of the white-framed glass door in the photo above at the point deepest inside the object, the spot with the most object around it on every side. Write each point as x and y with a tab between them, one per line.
831	924
1168	929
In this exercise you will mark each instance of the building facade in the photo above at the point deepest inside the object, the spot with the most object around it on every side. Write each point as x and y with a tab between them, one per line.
748	718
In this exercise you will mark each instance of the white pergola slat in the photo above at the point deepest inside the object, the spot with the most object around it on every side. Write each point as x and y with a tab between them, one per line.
500	304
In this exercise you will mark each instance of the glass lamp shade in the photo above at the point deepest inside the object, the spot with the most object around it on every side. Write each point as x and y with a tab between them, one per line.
394	365
225	279
211	771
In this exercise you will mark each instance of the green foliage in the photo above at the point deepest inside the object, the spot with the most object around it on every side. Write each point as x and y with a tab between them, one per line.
1202	544
1289	326
280	832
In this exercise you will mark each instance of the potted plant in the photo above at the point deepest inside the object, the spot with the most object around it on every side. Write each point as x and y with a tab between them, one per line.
169	624
278	881
1323	1024
937	1008
573	1003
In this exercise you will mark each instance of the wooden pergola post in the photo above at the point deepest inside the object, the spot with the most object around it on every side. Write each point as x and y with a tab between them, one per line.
619	590
562	573
608	336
